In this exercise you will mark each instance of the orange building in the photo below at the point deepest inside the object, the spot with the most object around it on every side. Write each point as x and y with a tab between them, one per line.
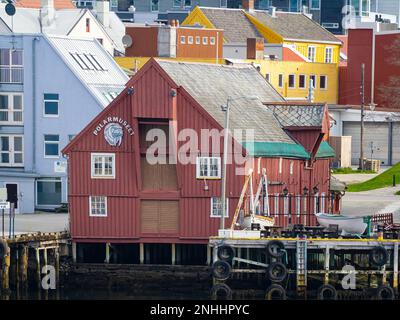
174	42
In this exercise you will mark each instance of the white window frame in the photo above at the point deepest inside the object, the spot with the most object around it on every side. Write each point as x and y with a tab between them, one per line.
315	80
280	165
190	39
276	204
298	205
212	41
205	41
105	207
176	5
92	169
314	50
151	6
51	142
11	152
223	3
326	82
10	68
198	40
305	81
182	39
294	81
291	167
10	111
328	49
51	100
212	213
322	202
198	176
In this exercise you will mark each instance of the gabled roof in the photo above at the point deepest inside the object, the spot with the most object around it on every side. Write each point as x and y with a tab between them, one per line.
237	27
298	115
103	84
294	26
27	20
211	85
58	4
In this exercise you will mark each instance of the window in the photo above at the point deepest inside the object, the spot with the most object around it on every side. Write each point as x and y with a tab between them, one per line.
11	66
328	54
188	3
154	5
216	207
177	3
311	53
190	39
48	191
51	145
98	206
267	76
322	202
313	79
212	41
71	136
292	81
50	105
323	82
205	40
87	24
11	110
208	167
103	165
302	81
365	7
11	150
315	4
280	80
182	39
197	40
280	165
223	3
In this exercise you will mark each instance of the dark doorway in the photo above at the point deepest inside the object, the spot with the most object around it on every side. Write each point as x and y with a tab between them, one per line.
12	194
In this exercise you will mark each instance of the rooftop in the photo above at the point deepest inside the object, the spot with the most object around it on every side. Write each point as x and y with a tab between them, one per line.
58	4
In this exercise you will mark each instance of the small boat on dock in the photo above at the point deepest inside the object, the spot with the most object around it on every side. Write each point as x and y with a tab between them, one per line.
347	225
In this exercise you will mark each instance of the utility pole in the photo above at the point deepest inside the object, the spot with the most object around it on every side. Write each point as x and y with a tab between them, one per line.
361	166
223	166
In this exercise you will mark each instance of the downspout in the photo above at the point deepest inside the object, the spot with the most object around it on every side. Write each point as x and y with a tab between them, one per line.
373	69
34	103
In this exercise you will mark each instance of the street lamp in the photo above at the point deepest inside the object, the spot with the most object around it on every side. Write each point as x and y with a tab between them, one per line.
226	109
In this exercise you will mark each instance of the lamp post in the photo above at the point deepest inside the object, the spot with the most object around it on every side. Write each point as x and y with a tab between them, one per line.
226	109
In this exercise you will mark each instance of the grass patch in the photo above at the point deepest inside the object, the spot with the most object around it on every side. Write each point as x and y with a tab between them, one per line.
385	179
397	193
350	170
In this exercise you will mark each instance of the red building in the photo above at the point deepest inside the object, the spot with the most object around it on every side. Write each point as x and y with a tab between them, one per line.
165	212
379	52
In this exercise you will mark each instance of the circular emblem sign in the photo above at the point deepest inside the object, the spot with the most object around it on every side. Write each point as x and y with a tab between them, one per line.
113	134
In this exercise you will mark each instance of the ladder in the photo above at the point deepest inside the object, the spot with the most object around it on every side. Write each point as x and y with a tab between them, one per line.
247	180
301	266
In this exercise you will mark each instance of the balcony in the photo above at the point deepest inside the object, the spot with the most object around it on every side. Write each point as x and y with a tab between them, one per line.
11	74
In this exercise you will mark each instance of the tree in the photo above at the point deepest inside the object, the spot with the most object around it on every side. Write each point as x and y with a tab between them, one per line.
389	93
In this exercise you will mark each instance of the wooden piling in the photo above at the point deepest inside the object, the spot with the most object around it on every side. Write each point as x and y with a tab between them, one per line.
38	269
141	253
326	262
173	253
23	266
5	279
107	252
396	266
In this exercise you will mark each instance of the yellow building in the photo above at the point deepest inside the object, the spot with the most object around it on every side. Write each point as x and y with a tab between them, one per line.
316	50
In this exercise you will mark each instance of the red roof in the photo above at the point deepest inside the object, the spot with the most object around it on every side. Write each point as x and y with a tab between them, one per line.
58	4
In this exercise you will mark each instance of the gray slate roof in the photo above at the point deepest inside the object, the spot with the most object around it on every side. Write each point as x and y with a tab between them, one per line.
210	85
294	26
236	26
298	115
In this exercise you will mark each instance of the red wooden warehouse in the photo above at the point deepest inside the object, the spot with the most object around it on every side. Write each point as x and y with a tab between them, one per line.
127	207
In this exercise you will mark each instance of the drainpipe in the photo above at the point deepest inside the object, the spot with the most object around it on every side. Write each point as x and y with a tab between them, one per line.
34	102
373	68
390	143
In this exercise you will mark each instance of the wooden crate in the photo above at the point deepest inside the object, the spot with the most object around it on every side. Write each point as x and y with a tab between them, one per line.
373	165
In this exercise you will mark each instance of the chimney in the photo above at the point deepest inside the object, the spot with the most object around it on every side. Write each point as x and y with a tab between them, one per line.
103	12
272	11
248	5
47	11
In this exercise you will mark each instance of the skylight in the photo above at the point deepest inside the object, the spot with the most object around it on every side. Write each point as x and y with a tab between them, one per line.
87	61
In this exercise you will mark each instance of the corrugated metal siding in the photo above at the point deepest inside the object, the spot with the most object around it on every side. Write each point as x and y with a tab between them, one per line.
119	223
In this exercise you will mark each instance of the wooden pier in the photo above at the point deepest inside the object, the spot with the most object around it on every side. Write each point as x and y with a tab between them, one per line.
320	268
23	258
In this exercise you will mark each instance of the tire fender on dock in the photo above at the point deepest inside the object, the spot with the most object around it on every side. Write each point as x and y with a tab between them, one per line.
275	248
221	292
221	270
276	272
275	290
385	292
378	256
225	253
327	292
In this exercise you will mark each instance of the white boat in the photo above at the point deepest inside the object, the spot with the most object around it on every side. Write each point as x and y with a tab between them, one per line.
347	225
262	220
